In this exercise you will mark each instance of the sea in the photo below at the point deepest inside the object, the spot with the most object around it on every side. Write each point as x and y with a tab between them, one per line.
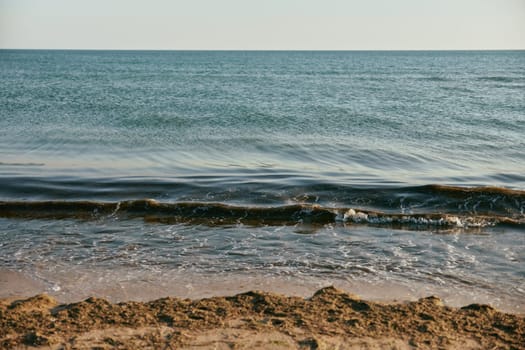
393	175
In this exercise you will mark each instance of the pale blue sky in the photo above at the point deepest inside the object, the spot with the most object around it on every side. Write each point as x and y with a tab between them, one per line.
263	24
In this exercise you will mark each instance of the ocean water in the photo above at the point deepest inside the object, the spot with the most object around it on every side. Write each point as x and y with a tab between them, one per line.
135	174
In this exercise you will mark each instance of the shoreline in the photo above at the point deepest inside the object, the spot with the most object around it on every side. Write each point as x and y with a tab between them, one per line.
330	318
74	286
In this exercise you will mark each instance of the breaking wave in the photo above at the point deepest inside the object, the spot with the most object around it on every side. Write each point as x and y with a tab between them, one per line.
445	207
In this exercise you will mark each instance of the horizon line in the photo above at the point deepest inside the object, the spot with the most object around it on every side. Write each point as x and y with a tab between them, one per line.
258	50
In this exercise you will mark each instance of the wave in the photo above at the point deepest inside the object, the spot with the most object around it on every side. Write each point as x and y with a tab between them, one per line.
216	214
485	190
499	79
435	78
21	164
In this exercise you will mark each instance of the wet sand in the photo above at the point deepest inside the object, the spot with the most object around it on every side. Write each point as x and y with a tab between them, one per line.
329	319
118	285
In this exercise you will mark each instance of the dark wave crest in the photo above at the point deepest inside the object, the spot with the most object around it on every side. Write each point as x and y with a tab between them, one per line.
458	207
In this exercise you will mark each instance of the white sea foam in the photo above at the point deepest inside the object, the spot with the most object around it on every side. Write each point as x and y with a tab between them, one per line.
360	217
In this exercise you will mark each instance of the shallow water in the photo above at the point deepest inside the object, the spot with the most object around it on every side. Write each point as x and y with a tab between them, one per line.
131	259
375	171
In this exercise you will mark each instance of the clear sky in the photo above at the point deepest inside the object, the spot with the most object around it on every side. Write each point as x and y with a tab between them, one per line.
263	24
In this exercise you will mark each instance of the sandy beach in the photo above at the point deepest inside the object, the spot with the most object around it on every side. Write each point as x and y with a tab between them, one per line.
330	319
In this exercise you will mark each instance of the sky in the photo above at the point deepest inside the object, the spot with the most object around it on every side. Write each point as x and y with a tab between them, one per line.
263	24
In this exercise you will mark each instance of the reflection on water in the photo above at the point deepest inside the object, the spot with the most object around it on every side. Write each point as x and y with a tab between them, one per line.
358	118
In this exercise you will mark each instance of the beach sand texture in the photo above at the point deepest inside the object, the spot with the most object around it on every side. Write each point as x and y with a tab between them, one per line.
330	319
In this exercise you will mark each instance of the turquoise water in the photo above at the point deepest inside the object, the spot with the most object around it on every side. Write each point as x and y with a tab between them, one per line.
326	166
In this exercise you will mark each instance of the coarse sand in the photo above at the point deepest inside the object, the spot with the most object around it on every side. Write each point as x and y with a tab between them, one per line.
330	319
